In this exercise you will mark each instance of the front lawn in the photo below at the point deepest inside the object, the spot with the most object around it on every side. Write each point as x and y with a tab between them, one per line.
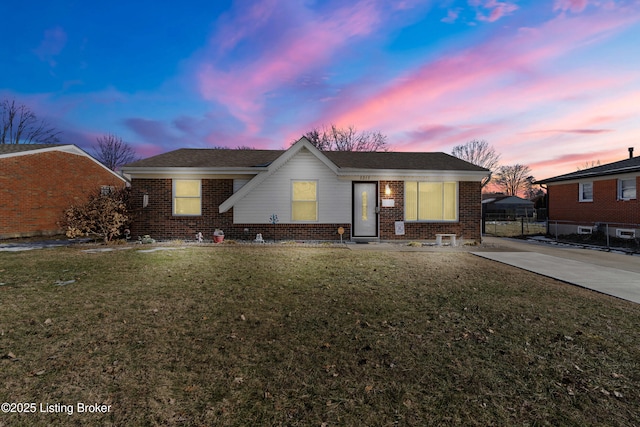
297	336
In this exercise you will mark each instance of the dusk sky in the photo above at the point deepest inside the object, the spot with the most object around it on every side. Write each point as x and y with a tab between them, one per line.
551	84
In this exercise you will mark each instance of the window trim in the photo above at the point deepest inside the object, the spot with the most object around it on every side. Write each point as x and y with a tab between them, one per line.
417	220
174	197
620	189
317	216
581	197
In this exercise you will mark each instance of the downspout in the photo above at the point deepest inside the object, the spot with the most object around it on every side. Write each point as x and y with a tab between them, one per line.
546	197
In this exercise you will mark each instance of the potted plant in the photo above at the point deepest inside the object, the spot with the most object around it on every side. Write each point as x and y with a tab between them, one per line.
218	236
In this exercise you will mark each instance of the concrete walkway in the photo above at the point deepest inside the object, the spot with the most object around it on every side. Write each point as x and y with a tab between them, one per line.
613	274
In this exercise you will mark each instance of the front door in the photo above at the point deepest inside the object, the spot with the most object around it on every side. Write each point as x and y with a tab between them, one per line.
365	204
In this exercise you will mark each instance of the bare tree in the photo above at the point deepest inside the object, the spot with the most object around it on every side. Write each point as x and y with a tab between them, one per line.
514	179
346	139
589	165
239	147
480	153
113	152
532	190
20	125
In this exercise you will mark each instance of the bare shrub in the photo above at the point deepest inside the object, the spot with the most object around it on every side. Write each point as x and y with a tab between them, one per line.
104	215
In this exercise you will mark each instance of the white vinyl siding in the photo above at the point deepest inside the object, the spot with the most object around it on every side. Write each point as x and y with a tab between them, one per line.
431	201
274	195
187	199
239	183
586	191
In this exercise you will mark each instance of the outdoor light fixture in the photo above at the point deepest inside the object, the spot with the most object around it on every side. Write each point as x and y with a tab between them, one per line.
387	190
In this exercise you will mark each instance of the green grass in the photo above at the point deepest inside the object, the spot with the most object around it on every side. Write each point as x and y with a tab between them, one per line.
291	336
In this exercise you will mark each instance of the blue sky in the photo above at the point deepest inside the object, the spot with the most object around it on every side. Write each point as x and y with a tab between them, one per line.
552	84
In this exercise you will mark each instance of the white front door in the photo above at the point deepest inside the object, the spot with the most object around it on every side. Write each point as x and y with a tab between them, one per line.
365	204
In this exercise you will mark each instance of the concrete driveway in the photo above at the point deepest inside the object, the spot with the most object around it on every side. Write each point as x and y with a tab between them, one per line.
611	273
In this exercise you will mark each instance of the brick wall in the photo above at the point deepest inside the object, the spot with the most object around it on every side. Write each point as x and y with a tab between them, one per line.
605	207
157	218
291	231
467	226
158	221
35	190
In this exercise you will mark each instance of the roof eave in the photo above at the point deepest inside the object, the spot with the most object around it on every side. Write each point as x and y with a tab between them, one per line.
71	149
180	171
573	177
390	173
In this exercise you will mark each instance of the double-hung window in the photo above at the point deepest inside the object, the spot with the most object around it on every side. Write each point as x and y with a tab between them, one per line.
187	197
586	191
430	201
304	200
627	189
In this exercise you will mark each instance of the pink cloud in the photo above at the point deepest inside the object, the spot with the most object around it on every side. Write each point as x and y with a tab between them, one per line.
497	10
575	6
508	91
452	16
232	140
567	163
300	49
406	4
246	20
578	131
147	150
454	89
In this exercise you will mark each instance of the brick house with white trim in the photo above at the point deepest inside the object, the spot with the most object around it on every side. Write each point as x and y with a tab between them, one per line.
39	181
370	195
601	198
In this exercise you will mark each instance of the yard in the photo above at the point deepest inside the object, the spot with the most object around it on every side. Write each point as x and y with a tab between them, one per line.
296	336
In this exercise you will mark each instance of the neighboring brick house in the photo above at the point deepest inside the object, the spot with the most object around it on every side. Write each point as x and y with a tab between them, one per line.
600	198
39	181
371	195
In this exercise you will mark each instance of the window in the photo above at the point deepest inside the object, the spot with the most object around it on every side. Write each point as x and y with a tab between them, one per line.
585	230
106	190
625	233
187	197
586	192
431	201
304	200
627	189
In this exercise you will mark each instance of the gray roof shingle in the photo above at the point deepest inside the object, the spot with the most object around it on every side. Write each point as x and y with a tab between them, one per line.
208	157
622	166
399	160
18	148
212	158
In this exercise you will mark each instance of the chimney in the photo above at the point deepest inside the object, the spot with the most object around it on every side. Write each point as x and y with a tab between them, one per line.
631	152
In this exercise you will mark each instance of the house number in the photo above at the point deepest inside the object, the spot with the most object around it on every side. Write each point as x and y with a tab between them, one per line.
365	177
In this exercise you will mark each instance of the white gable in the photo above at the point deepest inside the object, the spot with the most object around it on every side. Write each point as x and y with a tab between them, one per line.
302	144
272	195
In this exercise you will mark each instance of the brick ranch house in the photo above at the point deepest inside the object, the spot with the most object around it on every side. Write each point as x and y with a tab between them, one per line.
370	195
586	200
39	181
